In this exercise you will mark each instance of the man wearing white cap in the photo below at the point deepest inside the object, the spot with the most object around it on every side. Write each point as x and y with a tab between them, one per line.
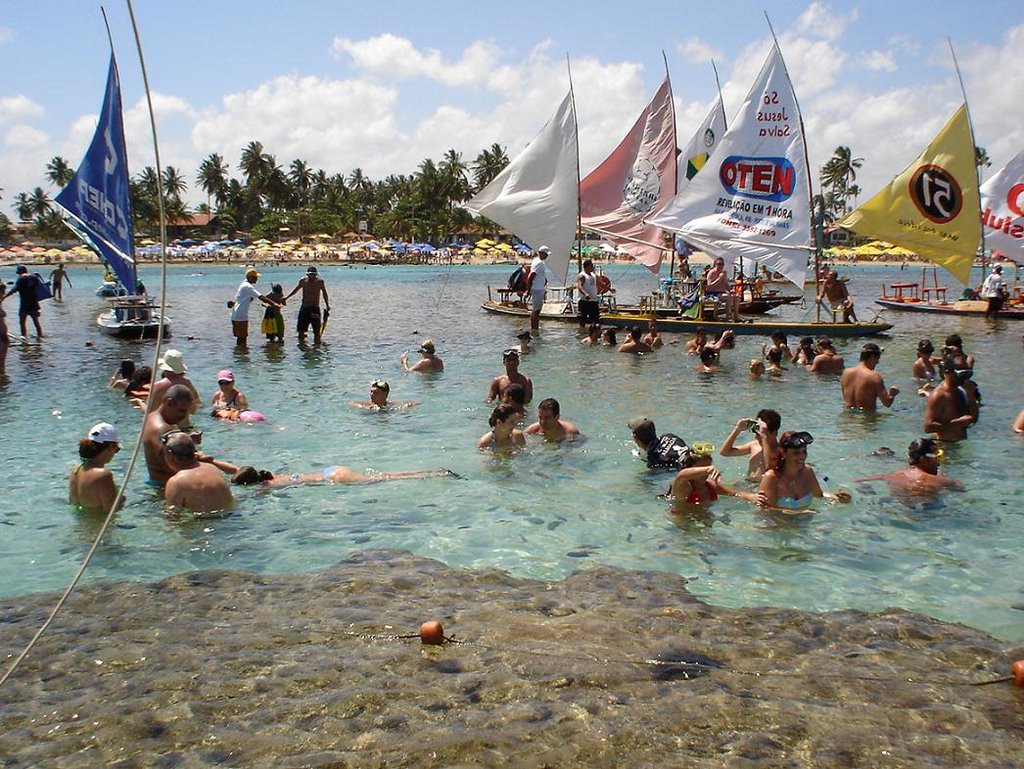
91	485
244	297
312	286
540	276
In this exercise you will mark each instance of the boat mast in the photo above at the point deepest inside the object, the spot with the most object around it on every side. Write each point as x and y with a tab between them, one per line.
579	197
974	148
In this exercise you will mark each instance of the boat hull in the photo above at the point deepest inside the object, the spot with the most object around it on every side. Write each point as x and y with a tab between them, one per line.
111	325
687	325
970	307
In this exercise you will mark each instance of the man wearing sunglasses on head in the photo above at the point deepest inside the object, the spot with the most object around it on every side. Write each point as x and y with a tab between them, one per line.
921	478
951	408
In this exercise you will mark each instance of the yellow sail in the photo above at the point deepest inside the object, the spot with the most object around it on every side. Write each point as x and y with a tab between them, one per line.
933	207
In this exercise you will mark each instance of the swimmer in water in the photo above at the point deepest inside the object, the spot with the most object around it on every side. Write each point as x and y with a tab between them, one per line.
334	475
699	482
91	485
379	392
921	478
790	486
503	434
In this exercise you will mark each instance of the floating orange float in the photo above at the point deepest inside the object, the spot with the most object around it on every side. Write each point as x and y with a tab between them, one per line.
1017	668
432	633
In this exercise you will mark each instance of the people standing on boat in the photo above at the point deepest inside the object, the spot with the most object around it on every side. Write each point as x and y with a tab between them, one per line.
924	364
540	276
761	448
428	363
172	370
665	452
503	433
588	304
194	486
995	291
511	376
244	296
57	278
550	424
26	286
273	319
312	287
634	344
951	409
839	299
827	361
921	478
863	386
717	286
91	485
790	484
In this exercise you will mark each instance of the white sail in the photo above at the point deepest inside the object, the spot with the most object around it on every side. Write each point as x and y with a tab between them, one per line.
1002	210
536	196
753	201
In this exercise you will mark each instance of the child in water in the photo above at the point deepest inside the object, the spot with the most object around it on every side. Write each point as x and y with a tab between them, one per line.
273	320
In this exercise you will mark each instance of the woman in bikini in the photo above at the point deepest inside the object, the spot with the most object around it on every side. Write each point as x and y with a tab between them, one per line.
699	483
91	485
228	403
503	434
790	485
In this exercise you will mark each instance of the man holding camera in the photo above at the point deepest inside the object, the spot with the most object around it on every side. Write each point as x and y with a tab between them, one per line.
762	448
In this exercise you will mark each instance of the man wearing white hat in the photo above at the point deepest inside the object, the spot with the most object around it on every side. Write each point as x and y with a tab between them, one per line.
540	276
172	369
247	292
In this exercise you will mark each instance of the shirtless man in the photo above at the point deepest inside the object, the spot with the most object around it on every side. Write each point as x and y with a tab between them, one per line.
511	376
764	444
429	362
863	386
312	286
379	393
717	286
838	296
550	425
57	278
827	361
173	369
950	408
195	487
921	478
160	424
634	344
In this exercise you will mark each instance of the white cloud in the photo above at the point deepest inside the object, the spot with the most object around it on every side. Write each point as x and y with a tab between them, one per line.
392	57
15	109
23	137
6	35
695	50
878	61
820	20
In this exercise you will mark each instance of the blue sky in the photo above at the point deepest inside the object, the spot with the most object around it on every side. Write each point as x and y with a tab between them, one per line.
381	86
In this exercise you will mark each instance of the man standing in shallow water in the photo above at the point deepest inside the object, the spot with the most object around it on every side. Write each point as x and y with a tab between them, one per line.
863	386
312	286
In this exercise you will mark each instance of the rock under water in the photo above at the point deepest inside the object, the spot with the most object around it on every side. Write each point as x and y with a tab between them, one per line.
607	668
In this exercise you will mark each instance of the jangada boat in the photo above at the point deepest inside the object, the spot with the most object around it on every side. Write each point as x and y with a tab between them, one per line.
97	207
936	209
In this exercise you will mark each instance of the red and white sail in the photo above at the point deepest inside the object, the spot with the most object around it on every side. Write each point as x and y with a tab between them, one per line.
1002	210
635	182
753	199
536	196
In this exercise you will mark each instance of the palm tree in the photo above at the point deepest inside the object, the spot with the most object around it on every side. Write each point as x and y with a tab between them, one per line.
59	171
300	175
174	183
213	177
488	164
23	205
253	163
40	202
838	173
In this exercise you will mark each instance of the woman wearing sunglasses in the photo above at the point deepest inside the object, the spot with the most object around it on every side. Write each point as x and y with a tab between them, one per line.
699	482
791	485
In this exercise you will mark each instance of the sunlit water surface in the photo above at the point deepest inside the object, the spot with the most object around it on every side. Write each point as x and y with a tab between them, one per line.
543	513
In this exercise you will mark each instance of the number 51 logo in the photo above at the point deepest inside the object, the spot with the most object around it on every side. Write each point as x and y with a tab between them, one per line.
936	194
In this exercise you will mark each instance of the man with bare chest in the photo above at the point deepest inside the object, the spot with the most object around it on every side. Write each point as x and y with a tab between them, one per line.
863	386
312	286
951	409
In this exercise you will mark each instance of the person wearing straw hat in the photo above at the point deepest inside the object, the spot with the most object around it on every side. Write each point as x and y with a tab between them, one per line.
244	297
311	286
91	485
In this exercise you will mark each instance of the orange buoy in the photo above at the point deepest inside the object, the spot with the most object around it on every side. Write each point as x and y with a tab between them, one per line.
432	633
1017	668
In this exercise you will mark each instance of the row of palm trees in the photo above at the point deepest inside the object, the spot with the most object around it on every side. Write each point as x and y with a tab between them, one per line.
267	198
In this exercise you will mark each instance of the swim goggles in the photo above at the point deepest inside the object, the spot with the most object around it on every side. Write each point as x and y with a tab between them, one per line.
797	441
702	449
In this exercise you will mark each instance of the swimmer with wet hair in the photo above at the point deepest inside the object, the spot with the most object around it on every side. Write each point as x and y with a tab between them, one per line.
921	478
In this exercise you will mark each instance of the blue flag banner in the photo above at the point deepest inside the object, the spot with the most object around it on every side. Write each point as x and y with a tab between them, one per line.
97	199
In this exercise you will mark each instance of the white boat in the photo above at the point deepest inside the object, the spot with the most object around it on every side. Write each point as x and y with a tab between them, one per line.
97	207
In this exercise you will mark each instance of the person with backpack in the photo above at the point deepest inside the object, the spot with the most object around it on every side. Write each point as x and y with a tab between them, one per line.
27	286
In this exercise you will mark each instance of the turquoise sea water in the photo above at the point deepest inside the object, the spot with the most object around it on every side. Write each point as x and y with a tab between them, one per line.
543	513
